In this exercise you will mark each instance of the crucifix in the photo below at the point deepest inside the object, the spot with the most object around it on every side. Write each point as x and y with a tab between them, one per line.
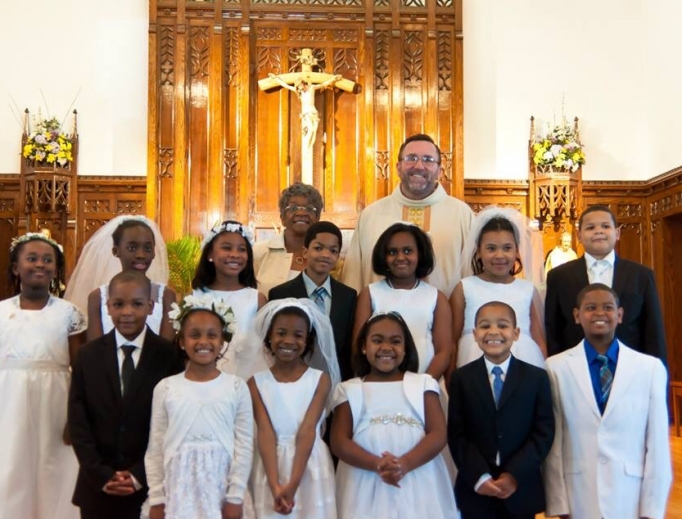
305	84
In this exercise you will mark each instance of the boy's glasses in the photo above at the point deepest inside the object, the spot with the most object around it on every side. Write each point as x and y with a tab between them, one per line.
295	208
427	160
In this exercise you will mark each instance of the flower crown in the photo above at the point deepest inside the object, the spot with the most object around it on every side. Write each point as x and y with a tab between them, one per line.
226	226
30	236
190	303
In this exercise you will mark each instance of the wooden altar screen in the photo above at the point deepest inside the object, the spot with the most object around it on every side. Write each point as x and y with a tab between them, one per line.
220	148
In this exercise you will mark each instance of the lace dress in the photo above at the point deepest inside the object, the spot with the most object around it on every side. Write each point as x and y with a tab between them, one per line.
200	447
389	416
416	306
518	295
37	471
153	320
287	404
245	355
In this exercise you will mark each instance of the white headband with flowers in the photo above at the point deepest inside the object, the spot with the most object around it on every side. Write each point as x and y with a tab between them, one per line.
219	228
30	236
190	303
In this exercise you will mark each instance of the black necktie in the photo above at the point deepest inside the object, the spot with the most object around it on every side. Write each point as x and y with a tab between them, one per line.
128	367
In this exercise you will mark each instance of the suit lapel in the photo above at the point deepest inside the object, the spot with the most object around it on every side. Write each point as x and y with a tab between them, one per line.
577	363
298	286
336	309
511	380
110	364
623	379
481	381
580	272
619	276
145	365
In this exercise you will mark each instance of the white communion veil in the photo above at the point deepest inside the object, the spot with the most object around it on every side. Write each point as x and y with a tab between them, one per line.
97	264
324	354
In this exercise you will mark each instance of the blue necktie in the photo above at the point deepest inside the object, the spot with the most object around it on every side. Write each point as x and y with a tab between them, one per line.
605	378
497	384
318	297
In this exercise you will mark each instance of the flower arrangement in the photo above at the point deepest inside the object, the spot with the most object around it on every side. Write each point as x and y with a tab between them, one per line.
560	148
49	144
179	312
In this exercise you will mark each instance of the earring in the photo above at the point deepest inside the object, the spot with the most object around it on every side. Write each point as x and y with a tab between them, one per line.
364	352
210	260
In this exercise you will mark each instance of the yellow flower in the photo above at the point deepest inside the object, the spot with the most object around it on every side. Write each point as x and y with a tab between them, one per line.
51	158
28	149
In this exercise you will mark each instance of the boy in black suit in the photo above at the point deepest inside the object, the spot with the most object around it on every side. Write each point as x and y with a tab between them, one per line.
642	325
110	403
322	247
500	424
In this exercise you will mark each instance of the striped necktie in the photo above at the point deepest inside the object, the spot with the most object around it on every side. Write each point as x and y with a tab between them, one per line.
605	378
318	297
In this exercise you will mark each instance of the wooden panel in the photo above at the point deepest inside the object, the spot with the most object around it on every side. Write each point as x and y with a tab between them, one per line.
215	140
664	211
9	223
197	203
102	198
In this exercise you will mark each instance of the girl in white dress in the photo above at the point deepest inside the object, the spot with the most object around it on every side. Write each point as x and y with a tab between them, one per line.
388	431
492	258
293	474
225	273
137	245
201	440
404	254
39	335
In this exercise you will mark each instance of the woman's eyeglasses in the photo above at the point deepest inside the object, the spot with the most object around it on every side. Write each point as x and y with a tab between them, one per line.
296	208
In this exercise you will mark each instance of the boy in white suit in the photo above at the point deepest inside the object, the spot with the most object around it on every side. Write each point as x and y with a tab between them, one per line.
610	458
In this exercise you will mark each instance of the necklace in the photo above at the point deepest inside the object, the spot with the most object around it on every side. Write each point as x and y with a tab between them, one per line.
416	284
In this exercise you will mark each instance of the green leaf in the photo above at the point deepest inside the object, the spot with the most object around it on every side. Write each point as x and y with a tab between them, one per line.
183	256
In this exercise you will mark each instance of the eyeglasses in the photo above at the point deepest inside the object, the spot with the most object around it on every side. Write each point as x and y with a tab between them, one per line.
427	160
295	208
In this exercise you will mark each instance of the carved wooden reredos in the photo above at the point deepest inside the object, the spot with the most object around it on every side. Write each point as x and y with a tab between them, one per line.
219	147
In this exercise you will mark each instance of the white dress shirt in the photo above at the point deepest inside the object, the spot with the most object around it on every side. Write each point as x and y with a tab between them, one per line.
138	342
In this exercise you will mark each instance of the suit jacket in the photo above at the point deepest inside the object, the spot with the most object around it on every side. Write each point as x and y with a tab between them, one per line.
521	429
111	432
642	326
341	315
611	465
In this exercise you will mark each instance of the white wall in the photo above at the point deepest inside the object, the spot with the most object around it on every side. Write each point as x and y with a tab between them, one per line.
663	79
615	62
91	49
